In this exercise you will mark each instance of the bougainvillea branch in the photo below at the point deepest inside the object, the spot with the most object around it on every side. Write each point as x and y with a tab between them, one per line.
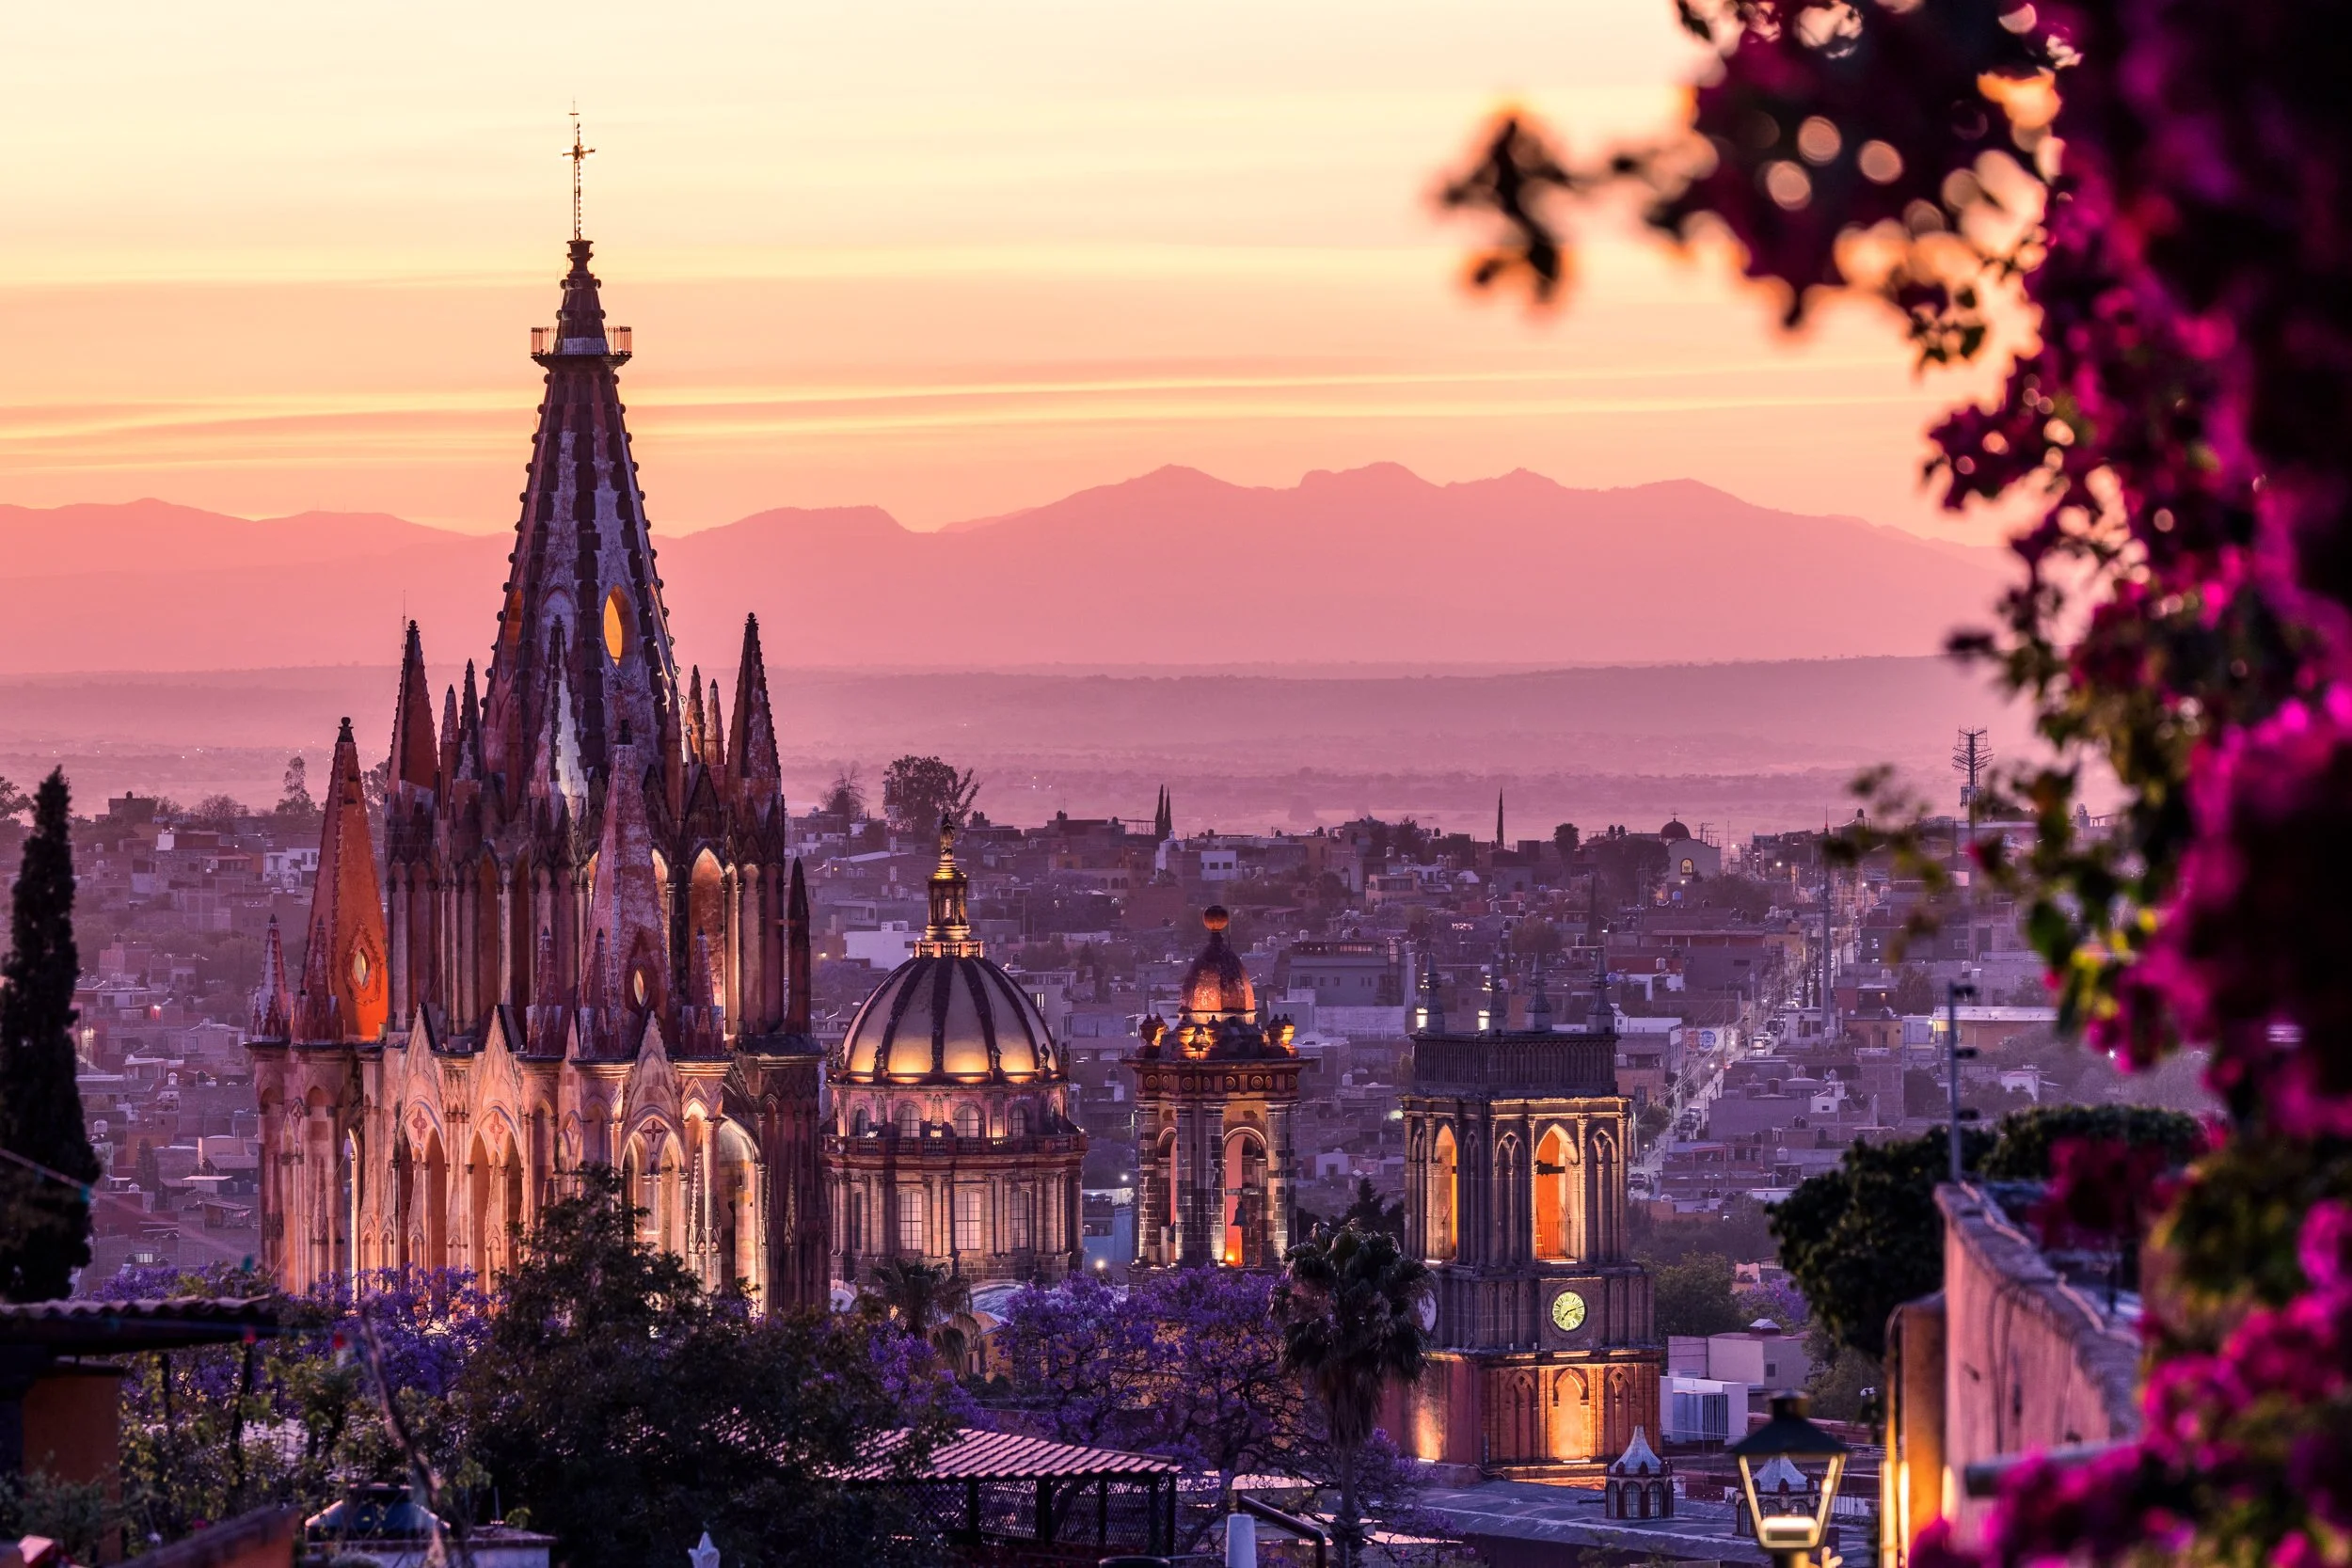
2144	205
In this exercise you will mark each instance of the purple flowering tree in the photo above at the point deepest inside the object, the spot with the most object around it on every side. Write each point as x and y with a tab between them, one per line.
1186	1364
2146	196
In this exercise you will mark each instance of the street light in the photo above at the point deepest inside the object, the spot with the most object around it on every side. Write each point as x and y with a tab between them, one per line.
1789	1470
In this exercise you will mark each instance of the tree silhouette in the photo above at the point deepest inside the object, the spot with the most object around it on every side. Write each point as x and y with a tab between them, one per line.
44	1180
1350	1309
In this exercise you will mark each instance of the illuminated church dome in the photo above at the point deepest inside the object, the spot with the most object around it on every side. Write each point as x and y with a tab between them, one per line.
949	1015
1218	986
951	1140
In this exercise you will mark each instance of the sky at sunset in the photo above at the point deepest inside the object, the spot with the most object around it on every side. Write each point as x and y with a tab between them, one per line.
950	259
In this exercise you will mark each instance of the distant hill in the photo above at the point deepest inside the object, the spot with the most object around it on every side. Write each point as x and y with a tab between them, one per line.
1374	565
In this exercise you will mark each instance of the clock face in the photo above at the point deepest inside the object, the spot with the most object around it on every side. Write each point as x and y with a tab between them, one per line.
1568	1311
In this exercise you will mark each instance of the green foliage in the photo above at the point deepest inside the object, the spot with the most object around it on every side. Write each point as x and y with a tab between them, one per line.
1864	1238
628	1411
846	796
1350	1309
2233	1232
918	791
294	800
2027	1137
923	1299
44	1203
1914	993
79	1515
1368	1212
1693	1296
1845	1385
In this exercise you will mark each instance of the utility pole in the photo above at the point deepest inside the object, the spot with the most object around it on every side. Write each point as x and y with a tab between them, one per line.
1829	975
1954	1054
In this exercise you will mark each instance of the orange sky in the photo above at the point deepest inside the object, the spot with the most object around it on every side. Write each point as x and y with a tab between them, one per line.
950	259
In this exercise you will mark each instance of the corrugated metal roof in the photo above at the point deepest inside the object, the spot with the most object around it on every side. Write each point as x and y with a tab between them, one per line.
78	1325
974	1455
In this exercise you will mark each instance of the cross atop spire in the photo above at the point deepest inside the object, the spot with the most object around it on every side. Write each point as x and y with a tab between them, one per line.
578	155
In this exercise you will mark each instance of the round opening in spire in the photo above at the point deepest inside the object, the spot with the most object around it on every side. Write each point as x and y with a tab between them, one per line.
1215	918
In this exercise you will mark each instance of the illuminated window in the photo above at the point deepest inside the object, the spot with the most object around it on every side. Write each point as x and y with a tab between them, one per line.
358	969
968	1219
616	625
968	1121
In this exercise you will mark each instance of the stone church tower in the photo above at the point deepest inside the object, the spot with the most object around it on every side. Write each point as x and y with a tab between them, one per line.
589	944
1214	1098
1516	1144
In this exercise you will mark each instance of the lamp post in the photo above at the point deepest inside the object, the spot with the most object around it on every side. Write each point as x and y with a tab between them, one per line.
1784	1449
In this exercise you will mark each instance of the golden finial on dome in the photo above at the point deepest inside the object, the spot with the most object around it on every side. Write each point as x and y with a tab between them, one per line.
950	928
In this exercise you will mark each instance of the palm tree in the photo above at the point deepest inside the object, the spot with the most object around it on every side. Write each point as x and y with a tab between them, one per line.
1350	1309
923	1299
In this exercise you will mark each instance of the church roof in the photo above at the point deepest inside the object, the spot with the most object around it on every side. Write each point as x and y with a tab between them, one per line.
1217	984
948	1015
1639	1458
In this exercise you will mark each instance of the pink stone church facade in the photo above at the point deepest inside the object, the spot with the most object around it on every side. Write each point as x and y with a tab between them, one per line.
589	944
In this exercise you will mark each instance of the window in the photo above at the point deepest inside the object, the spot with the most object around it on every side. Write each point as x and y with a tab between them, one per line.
1020	1121
1019	1219
967	1121
857	1123
968	1218
909	1120
910	1232
616	641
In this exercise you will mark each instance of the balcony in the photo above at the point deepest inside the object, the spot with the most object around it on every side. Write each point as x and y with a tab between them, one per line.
545	345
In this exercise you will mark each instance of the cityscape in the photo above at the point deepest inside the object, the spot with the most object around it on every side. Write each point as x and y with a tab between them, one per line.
1101	1012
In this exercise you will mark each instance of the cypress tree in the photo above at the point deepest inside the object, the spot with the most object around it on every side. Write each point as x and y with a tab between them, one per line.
44	1212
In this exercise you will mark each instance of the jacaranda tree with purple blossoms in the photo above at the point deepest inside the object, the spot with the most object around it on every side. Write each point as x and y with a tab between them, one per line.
1188	1363
295	1418
2153	190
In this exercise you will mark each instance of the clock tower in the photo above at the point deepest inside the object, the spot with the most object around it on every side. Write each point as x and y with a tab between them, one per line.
1546	1359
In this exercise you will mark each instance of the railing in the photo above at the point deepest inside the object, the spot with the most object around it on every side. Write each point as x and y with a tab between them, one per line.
548	339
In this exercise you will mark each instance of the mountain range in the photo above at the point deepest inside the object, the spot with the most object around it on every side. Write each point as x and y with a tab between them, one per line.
1372	566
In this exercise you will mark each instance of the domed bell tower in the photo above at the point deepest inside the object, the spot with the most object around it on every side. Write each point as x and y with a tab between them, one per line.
1214	1097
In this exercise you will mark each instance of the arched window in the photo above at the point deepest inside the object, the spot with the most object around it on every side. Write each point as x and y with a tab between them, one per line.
857	1123
909	1120
967	1121
1020	1121
1555	1162
1444	1196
